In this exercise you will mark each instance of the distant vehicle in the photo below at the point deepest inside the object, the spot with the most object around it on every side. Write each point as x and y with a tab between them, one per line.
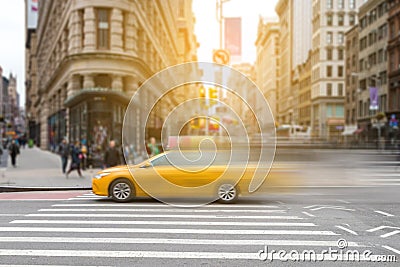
288	132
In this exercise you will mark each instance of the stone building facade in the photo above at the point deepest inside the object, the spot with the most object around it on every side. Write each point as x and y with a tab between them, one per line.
351	82
93	55
372	56
394	56
330	20
267	61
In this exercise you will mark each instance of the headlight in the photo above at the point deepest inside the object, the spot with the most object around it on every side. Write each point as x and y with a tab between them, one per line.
100	175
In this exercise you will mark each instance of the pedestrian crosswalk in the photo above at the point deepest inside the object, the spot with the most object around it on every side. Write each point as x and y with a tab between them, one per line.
151	230
89	195
383	174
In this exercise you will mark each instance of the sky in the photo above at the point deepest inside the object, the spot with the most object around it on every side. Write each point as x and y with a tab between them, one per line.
207	27
12	41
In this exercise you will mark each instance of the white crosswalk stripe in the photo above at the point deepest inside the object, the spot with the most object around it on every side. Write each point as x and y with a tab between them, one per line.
121	231
386	174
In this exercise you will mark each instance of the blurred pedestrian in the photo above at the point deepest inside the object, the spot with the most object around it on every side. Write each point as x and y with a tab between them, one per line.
83	156
112	157
64	151
75	160
153	148
14	151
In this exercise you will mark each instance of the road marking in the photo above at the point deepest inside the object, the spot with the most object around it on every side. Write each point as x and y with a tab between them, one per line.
8	265
308	214
164	205
179	241
170	255
312	206
392	249
390	233
332	207
162	223
166	210
382	227
346	229
166	231
36	199
343	201
199	216
384	213
382	175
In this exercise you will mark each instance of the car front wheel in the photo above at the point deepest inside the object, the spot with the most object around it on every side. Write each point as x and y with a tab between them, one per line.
122	190
227	193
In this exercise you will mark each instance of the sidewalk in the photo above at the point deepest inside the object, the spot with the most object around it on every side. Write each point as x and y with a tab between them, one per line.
39	168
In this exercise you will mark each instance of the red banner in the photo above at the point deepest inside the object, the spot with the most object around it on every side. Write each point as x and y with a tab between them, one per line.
233	36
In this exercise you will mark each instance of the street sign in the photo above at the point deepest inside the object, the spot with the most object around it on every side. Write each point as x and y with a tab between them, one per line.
221	56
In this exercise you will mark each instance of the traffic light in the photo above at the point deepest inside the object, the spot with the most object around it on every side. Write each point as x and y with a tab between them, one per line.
212	94
202	91
194	123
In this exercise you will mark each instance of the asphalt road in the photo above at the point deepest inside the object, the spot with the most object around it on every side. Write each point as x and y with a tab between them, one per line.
80	229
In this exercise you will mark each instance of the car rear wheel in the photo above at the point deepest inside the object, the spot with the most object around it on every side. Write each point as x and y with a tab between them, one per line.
122	190
227	193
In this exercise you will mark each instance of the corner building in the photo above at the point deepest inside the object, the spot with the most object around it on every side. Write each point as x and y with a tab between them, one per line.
93	55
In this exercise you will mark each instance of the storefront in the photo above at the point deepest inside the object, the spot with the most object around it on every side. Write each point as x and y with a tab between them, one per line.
96	117
57	129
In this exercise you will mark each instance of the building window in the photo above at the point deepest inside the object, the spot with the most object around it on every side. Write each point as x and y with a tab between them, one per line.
352	4
340	20
181	9
339	111
340	4
329	53
329	89
329	37
340	89
329	4
329	71
340	54
380	56
392	29
340	37
352	20
340	71
329	20
103	28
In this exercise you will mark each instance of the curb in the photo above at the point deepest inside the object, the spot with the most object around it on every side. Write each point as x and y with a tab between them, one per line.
26	189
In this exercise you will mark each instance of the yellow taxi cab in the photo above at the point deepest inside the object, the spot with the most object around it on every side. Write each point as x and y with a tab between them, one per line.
124	183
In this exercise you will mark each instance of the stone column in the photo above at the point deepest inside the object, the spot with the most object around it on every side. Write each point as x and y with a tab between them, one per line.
89	30
131	84
117	30
74	33
117	83
44	114
73	85
130	33
88	81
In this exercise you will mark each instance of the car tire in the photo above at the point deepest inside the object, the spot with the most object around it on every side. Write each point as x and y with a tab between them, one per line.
227	193
122	190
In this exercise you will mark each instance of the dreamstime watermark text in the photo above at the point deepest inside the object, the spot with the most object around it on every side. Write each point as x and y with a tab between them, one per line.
340	253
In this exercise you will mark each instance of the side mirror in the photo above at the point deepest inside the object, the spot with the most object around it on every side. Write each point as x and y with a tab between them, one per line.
146	165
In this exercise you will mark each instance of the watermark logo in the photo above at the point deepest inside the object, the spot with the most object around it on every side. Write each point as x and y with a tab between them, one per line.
341	253
220	111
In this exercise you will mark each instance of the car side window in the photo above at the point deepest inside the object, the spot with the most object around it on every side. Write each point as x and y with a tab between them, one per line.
161	161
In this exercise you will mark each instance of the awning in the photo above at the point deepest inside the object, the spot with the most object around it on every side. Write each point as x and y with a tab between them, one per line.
349	129
358	131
